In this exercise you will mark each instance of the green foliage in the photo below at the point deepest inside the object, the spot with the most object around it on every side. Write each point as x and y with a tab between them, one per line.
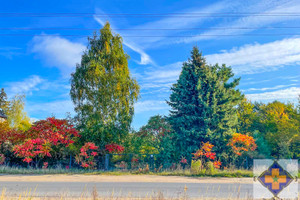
246	117
3	101
196	166
263	148
153	138
158	134
210	169
279	125
203	105
103	91
16	116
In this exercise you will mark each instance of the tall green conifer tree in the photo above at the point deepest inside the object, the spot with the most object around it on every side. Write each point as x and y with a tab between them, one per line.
203	105
3	101
102	89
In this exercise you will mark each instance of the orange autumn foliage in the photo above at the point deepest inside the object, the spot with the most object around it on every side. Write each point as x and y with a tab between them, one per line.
241	143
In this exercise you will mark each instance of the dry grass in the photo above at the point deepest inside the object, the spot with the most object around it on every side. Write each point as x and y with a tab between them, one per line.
187	172
31	195
183	195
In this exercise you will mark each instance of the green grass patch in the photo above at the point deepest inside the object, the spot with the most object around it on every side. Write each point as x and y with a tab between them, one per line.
187	172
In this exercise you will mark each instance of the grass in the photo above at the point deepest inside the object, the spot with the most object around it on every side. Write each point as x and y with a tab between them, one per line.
187	173
93	195
30	171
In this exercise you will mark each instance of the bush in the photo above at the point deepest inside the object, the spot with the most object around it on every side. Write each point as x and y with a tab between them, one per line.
210	169
196	166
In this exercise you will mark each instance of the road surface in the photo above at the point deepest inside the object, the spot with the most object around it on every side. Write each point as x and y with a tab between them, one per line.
126	186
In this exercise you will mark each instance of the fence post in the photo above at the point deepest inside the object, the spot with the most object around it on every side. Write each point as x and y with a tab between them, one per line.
152	162
130	161
106	161
70	163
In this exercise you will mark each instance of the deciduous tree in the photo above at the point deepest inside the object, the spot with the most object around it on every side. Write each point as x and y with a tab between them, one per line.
16	116
103	90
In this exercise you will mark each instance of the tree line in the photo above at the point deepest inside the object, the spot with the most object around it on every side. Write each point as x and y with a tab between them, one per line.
210	119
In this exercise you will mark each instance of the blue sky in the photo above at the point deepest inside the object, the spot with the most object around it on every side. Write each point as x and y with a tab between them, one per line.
264	51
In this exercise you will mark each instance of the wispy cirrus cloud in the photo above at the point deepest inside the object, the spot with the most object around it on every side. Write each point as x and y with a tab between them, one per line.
58	52
288	95
252	19
160	79
57	108
245	14
268	88
145	58
177	24
257	58
26	86
150	105
9	52
247	59
56	93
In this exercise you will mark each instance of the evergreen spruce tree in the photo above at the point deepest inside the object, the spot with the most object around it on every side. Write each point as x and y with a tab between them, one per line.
203	105
3	101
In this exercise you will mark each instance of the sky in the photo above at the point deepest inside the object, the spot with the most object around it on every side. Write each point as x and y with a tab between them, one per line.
41	42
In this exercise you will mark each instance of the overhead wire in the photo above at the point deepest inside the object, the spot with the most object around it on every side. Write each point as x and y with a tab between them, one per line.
165	36
144	29
149	15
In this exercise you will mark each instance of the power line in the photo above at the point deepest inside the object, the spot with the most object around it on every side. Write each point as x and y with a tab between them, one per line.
166	36
182	13
145	29
147	15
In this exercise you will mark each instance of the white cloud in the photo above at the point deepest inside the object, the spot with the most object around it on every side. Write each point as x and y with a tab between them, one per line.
160	79
269	88
27	86
167	73
58	108
248	59
289	94
256	58
58	52
10	52
145	58
150	105
251	20
177	23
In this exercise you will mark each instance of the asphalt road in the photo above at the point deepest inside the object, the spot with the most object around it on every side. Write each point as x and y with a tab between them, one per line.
128	189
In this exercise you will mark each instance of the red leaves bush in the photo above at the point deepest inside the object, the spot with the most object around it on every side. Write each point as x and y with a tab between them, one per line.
11	136
33	148
205	154
114	148
51	138
55	131
42	137
88	152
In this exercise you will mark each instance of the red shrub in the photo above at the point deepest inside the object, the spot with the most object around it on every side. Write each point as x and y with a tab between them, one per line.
41	137
206	152
33	148
87	154
114	148
56	131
